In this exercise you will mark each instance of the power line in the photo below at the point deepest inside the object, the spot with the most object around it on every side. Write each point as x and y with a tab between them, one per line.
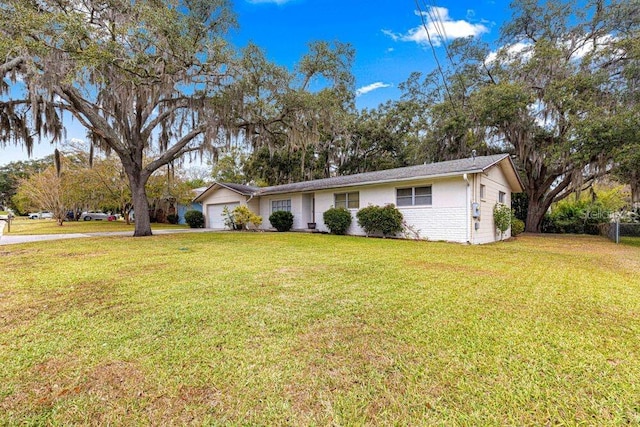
435	56
440	28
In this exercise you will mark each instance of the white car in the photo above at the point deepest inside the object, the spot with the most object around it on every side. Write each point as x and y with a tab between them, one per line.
41	215
94	216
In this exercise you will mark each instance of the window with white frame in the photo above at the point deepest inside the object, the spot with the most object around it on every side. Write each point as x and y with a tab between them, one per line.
281	205
347	200
414	196
502	197
483	191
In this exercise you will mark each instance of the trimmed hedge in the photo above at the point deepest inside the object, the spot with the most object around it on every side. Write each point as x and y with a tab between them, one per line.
194	218
337	220
376	219
281	220
517	226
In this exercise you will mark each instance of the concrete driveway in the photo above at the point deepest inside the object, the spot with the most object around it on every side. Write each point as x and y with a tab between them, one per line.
13	240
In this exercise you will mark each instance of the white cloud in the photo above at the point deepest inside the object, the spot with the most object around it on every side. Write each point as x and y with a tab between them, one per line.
585	47
511	51
371	87
525	50
440	27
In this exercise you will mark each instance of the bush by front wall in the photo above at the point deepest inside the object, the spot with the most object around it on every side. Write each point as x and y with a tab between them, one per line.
337	220
281	220
243	217
517	226
380	219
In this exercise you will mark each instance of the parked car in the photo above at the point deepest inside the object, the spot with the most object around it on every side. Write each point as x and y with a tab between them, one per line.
41	215
94	216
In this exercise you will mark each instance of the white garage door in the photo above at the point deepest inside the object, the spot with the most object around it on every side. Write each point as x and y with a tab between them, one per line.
214	214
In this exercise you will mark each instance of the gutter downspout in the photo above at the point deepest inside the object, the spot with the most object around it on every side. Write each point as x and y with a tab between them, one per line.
468	209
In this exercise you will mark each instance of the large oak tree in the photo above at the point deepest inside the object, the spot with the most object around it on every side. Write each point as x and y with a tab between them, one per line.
141	75
560	95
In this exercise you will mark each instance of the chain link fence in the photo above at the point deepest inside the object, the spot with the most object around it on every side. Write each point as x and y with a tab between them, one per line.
616	230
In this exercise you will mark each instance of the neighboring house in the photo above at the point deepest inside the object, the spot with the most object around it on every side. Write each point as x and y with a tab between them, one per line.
450	201
193	206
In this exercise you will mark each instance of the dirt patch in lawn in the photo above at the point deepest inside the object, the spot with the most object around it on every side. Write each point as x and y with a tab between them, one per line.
92	298
105	392
41	386
352	362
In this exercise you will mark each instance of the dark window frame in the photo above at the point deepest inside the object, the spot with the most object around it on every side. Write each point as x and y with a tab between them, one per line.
419	196
350	201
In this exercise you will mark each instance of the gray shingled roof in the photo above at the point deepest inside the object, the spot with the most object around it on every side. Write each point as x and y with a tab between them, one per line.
452	167
245	190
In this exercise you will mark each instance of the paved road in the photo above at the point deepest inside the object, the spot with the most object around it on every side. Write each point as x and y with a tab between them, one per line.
12	240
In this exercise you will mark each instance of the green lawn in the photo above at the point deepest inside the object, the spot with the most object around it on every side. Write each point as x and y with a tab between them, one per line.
24	226
305	329
632	241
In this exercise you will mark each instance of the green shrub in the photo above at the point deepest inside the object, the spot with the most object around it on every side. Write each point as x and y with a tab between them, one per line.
501	217
281	220
173	218
229	222
337	220
517	226
386	220
195	219
576	217
242	217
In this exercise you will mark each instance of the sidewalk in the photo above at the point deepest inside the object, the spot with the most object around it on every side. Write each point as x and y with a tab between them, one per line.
13	240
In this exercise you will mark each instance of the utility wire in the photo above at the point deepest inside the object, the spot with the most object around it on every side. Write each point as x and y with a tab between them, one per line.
433	50
441	30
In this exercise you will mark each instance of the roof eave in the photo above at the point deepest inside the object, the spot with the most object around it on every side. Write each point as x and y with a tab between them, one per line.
516	175
201	195
235	190
376	182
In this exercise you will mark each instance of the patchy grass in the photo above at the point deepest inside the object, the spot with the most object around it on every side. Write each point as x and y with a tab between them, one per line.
631	241
25	226
300	329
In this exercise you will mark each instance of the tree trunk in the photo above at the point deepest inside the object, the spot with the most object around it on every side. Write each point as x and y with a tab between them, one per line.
140	205
535	216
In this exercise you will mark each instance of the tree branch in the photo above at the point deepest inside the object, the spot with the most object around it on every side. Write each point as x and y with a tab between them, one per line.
174	151
11	65
80	107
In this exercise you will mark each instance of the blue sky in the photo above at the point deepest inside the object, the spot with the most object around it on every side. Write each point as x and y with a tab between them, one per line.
387	35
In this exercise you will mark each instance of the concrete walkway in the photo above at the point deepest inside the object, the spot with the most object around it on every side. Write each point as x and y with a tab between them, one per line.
12	240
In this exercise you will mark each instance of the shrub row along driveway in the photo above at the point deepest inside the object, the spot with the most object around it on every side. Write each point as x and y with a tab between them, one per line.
298	329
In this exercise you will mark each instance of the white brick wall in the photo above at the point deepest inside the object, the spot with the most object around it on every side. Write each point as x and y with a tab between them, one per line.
445	219
447	223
